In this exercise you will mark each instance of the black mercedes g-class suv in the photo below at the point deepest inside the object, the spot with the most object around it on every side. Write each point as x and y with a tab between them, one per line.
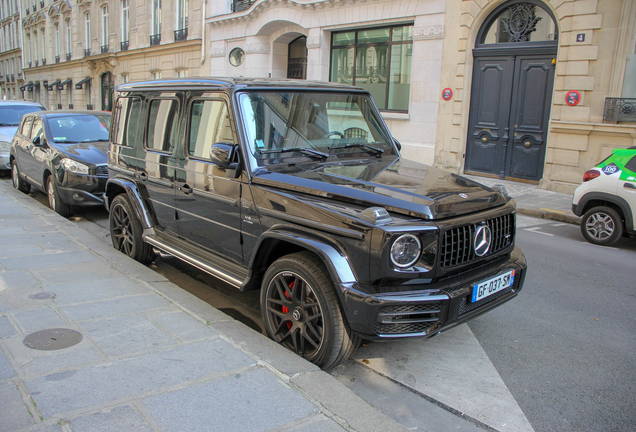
297	188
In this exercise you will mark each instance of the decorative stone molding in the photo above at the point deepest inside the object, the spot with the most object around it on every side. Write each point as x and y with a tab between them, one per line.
217	52
256	48
428	32
313	42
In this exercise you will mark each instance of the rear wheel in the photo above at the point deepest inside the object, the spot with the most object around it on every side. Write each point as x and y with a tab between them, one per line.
301	310
126	231
18	182
602	226
55	202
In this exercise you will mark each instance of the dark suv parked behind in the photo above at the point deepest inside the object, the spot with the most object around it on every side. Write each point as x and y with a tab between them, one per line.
297	188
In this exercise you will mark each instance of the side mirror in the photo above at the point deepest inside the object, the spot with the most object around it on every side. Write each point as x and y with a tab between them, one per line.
37	141
397	144
226	157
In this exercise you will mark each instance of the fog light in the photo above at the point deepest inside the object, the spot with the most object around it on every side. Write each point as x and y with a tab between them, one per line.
78	197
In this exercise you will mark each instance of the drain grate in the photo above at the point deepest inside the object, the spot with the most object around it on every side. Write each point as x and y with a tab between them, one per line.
53	339
45	295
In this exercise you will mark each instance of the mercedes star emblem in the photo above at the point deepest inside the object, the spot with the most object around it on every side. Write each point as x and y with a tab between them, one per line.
463	195
483	237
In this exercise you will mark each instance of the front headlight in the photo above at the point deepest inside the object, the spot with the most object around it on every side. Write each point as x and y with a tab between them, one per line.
73	166
5	146
406	250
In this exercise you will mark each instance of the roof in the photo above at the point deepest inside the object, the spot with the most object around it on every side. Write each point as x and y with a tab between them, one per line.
229	82
66	113
20	102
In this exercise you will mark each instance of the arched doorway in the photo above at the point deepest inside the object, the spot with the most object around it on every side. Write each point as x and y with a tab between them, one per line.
107	91
297	58
513	76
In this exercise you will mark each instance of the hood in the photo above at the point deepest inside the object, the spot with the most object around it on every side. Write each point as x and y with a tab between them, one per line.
399	185
91	152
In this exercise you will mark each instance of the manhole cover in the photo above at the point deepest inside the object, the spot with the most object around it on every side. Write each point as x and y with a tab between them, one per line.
53	339
42	296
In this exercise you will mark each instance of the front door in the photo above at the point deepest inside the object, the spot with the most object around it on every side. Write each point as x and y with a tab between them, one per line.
107	91
509	116
297	58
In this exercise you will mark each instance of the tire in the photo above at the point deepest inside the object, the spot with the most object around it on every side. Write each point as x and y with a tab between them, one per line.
18	182
602	226
301	311
55	201
126	231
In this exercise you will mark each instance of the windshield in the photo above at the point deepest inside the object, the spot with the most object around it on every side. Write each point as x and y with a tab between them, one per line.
11	115
84	128
312	125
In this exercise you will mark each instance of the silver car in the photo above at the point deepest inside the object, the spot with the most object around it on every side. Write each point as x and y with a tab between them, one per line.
11	112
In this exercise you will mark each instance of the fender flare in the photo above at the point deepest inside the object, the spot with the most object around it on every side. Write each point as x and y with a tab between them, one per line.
335	260
136	199
602	196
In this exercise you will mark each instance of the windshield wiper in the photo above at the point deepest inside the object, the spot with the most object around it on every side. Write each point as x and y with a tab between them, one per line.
8	124
312	152
96	140
378	152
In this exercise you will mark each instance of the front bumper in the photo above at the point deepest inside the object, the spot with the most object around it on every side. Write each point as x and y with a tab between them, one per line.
5	161
82	190
433	308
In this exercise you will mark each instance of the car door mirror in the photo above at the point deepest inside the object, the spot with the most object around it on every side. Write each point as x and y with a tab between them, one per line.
397	144
37	141
226	157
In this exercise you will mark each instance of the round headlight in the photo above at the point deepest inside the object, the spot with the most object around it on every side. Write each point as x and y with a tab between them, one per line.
406	250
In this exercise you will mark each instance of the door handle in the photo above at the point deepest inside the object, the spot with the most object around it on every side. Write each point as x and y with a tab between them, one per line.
143	176
629	186
186	189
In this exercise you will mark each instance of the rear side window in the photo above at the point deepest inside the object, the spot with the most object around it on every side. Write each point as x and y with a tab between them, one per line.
127	125
37	128
209	124
162	125
631	165
26	126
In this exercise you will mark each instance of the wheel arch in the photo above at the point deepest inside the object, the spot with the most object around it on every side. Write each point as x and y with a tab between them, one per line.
277	243
117	186
596	199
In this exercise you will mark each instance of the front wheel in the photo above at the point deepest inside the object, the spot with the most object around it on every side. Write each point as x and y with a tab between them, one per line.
126	231
55	202
602	226
301	311
18	182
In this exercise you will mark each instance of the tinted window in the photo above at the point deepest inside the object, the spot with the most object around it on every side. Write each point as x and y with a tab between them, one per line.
209	124
84	128
127	125
162	125
10	115
631	165
26	127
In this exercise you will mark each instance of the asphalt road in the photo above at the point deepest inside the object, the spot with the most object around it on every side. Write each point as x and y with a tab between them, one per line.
565	347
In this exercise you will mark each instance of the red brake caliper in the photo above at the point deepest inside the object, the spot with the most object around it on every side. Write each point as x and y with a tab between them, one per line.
285	308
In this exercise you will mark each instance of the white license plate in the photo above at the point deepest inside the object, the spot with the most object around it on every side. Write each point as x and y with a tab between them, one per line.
491	286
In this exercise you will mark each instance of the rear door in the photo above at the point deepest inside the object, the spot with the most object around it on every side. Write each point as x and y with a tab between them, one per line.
208	200
22	143
627	188
34	155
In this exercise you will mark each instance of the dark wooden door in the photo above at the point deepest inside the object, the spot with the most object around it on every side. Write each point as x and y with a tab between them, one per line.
107	91
508	120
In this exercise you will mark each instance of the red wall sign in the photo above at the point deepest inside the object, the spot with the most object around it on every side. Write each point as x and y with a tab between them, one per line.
572	98
447	94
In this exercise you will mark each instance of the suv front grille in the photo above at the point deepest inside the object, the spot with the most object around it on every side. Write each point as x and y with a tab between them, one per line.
457	243
407	319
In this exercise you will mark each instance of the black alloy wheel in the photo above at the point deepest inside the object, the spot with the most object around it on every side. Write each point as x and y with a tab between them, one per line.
126	231
18	182
55	202
602	226
301	310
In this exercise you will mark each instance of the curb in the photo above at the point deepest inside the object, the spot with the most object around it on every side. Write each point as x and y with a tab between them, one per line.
544	214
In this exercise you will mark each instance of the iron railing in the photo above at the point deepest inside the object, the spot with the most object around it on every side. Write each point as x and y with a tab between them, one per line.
104	49
619	110
43	62
155	39
124	46
68	56
241	5
57	59
87	52
181	35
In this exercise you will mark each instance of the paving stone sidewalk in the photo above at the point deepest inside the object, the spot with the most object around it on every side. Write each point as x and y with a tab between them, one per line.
152	357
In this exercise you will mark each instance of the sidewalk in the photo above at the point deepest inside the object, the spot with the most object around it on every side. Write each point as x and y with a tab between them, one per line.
532	201
124	349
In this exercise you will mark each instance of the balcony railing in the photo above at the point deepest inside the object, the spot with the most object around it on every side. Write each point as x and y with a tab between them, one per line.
13	77
124	46
87	52
70	106
28	11
43	62
89	107
104	49
155	39
36	63
181	35
68	56
240	5
620	110
29	64
41	3
57	59
59	106
34	8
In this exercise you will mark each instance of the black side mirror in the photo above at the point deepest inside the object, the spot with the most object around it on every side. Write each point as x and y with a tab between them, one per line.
226	157
37	141
397	144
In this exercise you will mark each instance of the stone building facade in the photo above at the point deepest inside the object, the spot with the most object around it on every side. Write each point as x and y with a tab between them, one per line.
11	77
75	51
